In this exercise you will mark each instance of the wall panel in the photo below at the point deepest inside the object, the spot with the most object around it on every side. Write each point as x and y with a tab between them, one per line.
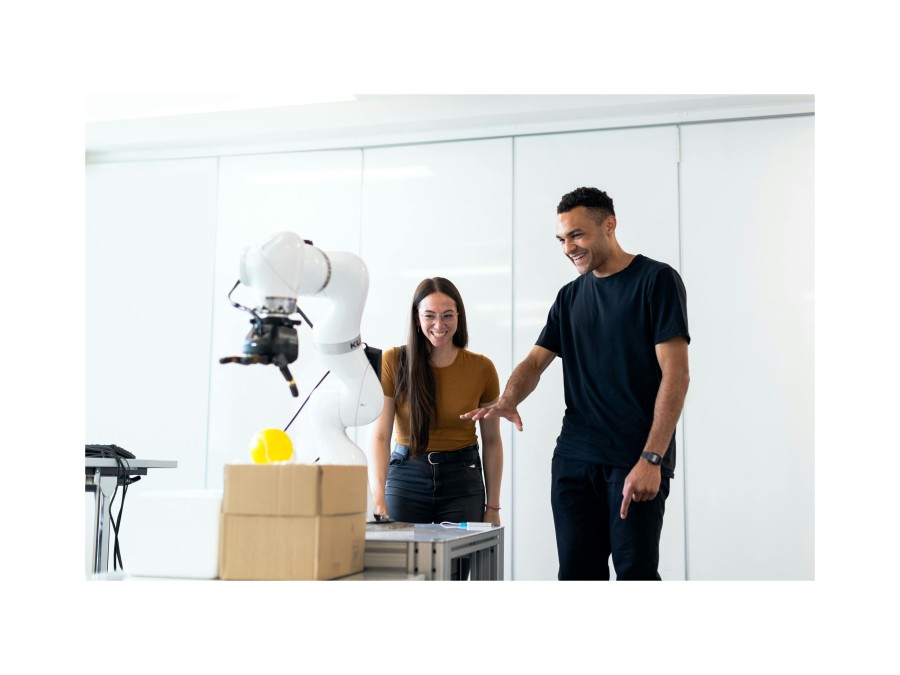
747	210
638	169
442	209
150	251
316	195
149	254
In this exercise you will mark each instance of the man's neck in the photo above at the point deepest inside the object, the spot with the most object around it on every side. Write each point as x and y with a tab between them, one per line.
614	264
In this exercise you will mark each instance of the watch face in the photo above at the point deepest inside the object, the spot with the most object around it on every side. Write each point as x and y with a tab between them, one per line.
651	457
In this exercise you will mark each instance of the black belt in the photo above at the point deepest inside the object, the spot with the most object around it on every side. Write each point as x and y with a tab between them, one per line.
467	454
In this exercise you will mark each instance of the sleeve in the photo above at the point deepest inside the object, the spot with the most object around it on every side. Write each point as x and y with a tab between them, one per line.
389	372
491	391
550	335
668	306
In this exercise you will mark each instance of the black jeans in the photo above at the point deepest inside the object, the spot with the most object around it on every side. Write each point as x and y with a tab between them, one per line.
586	499
436	487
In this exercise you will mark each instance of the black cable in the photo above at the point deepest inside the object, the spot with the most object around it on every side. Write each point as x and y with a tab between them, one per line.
120	475
121	456
305	318
120	478
128	480
259	324
307	399
117	556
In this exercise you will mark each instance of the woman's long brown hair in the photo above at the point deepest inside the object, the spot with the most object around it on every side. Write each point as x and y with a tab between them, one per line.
415	379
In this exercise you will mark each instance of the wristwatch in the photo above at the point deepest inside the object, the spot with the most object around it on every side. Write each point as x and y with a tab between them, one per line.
652	457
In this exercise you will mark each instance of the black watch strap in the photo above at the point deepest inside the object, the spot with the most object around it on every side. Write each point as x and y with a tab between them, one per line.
652	457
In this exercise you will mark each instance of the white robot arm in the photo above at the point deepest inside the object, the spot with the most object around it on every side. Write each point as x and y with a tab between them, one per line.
281	270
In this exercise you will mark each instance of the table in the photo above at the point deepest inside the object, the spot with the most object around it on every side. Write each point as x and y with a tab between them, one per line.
431	550
101	476
382	575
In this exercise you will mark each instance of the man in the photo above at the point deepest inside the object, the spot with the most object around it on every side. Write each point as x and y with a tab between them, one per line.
621	331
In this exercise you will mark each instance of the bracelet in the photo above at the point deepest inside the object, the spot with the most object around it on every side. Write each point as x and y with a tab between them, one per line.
491	506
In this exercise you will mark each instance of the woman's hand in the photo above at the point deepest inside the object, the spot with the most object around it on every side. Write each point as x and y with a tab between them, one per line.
492	516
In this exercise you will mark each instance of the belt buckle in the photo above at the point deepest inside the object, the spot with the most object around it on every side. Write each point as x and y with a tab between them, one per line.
428	457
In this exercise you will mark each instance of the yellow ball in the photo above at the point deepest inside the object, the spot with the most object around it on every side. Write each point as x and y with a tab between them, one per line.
258	451
271	445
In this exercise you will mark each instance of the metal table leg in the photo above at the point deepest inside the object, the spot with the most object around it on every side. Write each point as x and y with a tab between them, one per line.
104	489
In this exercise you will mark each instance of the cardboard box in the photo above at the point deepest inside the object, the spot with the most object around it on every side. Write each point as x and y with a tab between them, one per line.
292	521
291	547
294	489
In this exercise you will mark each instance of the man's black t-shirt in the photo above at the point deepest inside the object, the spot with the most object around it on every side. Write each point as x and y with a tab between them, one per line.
606	331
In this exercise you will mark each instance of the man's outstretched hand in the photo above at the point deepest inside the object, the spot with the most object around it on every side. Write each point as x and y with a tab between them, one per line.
498	409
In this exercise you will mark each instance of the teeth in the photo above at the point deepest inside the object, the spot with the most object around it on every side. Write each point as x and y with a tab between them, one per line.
440	335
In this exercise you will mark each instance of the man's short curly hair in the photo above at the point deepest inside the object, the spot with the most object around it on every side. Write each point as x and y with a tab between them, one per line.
597	202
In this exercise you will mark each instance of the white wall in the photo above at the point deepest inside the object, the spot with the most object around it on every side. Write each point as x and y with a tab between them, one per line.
482	213
316	195
150	253
443	209
747	240
639	169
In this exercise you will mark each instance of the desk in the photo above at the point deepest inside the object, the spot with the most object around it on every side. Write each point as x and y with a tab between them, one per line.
102	476
382	575
430	549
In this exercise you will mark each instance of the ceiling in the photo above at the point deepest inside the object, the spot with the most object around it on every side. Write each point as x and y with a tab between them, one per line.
378	120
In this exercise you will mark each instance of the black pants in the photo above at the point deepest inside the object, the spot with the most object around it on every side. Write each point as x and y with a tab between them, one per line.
436	487
586	499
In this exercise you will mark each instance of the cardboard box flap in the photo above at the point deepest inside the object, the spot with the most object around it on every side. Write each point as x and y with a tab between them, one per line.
265	489
294	489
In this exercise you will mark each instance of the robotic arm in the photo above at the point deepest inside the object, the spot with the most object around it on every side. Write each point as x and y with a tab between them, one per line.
283	269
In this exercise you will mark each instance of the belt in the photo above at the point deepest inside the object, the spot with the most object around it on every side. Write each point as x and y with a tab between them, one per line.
466	454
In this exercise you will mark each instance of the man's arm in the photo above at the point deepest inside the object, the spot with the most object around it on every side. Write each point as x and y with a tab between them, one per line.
642	482
521	383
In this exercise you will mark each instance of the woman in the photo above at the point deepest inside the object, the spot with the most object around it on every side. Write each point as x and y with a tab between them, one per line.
434	473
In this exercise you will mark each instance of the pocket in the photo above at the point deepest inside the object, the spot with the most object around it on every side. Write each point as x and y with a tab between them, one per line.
396	459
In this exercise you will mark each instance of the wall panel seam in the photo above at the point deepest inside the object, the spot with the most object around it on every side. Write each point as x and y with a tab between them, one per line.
684	435
212	324
512	344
